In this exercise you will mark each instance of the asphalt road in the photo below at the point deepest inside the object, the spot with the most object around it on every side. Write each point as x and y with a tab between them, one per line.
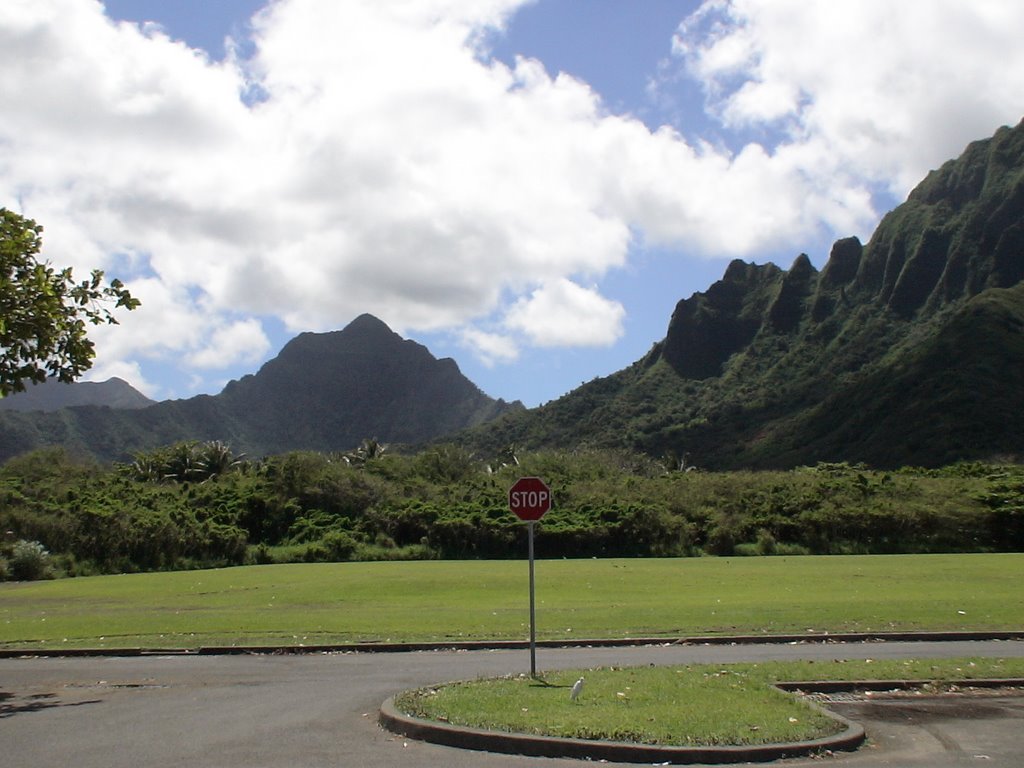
291	711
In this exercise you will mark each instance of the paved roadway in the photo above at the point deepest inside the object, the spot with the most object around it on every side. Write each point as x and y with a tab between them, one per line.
320	710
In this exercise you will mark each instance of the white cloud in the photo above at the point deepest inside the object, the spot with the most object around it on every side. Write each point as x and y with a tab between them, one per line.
490	348
242	341
172	326
563	314
389	167
874	90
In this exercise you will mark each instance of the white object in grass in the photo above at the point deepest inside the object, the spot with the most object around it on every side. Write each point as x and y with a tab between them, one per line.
577	688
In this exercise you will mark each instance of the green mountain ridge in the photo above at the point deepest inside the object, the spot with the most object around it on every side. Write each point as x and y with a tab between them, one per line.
323	392
909	350
52	395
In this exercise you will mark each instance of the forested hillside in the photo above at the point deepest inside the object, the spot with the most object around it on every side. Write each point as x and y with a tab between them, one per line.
909	350
199	504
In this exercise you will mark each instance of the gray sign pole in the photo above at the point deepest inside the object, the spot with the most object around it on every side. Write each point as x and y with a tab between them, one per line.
533	610
529	499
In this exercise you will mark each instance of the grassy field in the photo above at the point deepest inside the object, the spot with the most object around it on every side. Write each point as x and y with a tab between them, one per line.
470	600
697	705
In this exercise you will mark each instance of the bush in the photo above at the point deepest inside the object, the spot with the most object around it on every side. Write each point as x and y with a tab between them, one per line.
725	533
339	545
335	546
791	550
442	503
260	555
29	561
376	552
766	543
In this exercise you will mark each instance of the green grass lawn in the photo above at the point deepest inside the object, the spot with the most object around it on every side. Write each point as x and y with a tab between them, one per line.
696	705
478	600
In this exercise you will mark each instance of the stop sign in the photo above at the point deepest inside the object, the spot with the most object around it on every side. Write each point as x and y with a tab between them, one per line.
529	498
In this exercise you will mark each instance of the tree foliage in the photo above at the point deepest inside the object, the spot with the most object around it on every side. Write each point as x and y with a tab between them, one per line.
190	461
44	313
198	504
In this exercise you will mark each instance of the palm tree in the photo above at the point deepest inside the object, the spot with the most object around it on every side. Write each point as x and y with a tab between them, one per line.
368	450
216	458
144	468
182	463
185	462
672	461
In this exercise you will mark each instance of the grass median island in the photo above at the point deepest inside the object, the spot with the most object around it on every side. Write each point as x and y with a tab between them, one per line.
698	705
442	601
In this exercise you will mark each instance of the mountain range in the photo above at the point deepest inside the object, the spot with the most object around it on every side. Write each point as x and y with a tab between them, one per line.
906	350
323	392
52	395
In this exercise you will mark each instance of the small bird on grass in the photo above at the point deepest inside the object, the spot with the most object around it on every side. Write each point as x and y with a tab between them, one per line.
577	688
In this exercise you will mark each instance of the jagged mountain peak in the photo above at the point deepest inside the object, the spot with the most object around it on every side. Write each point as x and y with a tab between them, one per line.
365	334
323	391
960	231
347	361
367	323
708	327
843	262
331	390
907	350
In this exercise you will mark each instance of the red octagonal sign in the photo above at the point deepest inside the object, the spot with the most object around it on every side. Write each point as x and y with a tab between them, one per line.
529	498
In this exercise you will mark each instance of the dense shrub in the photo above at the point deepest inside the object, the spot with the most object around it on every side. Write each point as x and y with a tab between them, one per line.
1003	497
29	561
443	502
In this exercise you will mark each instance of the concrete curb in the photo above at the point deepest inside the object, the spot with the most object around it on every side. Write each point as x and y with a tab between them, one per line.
496	645
848	740
851	737
846	686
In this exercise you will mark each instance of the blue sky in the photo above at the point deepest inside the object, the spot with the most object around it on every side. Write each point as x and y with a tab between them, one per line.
527	187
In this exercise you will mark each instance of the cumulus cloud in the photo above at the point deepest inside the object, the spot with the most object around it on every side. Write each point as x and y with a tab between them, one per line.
564	314
242	341
879	91
491	348
368	156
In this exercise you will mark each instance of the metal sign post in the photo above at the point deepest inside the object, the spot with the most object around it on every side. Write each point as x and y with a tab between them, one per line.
530	499
533	608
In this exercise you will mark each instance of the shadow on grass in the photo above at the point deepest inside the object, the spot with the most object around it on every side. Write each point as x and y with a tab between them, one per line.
539	682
